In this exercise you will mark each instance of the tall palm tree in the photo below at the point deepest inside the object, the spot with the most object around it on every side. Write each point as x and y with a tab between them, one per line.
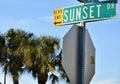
2	58
37	56
24	49
16	40
12	55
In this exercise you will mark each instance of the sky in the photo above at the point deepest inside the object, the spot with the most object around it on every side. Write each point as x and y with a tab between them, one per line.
36	16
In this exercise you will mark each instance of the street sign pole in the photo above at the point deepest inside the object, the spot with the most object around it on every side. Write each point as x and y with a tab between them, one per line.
83	25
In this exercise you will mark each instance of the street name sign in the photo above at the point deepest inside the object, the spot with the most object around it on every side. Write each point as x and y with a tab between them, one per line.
84	13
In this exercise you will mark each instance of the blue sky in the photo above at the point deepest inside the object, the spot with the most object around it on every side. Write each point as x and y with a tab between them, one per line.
36	16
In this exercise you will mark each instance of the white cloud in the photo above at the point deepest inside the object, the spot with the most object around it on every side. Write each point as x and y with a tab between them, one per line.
22	21
25	22
5	24
46	18
108	81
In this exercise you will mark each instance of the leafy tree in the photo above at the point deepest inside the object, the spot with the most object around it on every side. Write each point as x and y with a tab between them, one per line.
2	59
37	56
11	57
20	50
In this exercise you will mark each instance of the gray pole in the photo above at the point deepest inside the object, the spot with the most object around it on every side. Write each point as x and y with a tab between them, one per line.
83	25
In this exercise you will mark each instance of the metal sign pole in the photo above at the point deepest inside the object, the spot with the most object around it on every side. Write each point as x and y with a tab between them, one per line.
83	25
82	50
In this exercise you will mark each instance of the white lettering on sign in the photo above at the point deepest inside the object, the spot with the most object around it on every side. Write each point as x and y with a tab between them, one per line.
85	12
98	6
72	14
91	11
78	13
82	13
65	14
110	6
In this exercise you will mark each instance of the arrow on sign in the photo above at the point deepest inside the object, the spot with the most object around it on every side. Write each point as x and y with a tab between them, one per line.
55	23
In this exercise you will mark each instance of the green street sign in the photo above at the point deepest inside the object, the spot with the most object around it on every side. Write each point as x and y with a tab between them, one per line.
84	13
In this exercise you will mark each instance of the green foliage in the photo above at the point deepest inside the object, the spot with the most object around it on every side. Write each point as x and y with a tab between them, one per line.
20	50
37	56
11	57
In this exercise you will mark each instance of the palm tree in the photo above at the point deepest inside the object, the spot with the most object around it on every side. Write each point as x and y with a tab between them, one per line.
37	56
16	40
23	49
11	53
2	58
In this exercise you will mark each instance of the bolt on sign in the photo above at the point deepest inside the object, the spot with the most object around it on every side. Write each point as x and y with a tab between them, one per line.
85	12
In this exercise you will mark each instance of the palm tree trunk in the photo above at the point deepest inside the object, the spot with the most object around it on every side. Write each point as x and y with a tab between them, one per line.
42	78
5	73
15	79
